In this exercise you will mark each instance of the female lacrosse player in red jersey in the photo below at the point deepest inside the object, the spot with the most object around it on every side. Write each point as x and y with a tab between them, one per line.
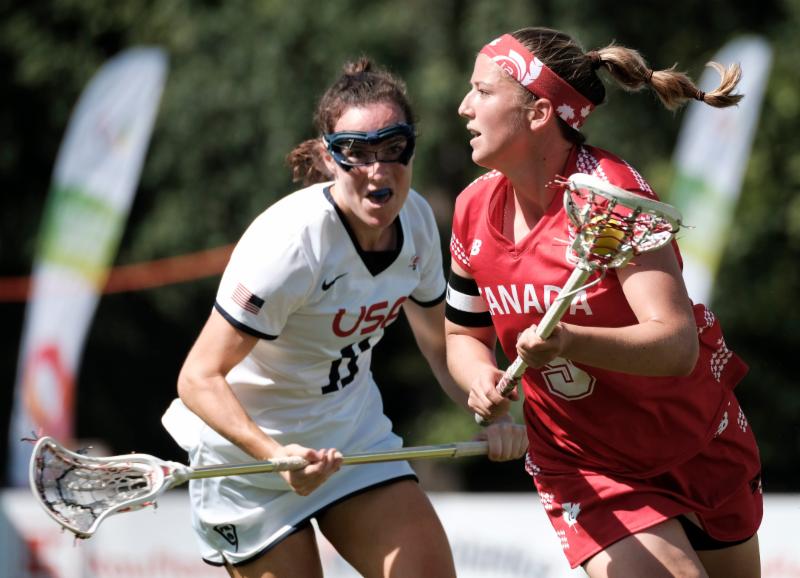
644	462
282	367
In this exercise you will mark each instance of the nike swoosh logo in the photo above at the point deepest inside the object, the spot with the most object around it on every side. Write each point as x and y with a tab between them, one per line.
327	285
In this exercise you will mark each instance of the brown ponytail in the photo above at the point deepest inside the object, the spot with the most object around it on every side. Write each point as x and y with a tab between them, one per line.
307	164
627	67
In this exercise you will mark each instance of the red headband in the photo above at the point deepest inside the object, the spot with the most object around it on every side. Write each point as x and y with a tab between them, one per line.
510	55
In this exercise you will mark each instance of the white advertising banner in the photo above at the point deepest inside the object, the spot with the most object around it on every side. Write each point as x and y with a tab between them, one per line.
94	178
492	536
710	160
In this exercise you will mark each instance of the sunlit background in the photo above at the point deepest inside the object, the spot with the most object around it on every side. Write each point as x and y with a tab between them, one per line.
239	92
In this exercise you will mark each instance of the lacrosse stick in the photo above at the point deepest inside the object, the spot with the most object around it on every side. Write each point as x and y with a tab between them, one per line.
610	226
80	491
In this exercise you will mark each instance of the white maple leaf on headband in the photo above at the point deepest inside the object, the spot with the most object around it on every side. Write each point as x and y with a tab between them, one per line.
566	112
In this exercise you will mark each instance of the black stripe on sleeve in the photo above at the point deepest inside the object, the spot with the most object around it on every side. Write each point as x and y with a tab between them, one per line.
462	284
467	319
436	301
241	326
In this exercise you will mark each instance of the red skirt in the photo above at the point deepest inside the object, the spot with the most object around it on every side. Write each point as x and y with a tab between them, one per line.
721	484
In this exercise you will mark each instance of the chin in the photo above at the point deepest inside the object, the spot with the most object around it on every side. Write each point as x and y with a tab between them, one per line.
379	217
480	160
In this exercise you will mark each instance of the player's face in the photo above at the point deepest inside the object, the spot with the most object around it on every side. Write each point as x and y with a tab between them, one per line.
495	117
371	195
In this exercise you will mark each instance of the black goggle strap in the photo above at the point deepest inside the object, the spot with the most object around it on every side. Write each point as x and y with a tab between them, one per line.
335	140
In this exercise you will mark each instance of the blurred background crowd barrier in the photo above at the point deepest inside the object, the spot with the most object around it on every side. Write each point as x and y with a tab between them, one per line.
120	201
492	536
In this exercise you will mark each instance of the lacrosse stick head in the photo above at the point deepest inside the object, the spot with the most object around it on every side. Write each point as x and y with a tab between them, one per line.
610	226
80	491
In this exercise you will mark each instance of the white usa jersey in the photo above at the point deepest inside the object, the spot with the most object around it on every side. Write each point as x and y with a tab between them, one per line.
298	280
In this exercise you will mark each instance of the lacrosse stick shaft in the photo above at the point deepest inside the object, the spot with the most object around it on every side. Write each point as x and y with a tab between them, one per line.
454	450
80	491
552	316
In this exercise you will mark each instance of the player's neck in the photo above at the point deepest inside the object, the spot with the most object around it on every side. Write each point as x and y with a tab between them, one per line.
531	192
520	215
371	239
531	182
533	172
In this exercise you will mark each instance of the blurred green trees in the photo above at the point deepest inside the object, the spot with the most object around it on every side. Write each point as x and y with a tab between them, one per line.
243	83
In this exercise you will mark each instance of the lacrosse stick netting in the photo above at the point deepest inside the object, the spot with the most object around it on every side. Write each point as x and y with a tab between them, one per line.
80	491
609	226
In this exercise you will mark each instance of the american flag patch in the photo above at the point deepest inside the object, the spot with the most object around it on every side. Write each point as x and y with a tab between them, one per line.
246	300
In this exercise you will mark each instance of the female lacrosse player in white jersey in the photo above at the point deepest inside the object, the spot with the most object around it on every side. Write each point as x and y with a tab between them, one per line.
644	462
282	367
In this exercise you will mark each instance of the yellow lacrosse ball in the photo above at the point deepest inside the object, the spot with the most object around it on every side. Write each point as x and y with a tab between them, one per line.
607	241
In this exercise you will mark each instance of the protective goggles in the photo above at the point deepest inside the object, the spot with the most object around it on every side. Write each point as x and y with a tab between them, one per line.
391	144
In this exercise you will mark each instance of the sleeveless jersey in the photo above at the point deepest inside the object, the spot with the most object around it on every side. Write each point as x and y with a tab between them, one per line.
577	415
298	280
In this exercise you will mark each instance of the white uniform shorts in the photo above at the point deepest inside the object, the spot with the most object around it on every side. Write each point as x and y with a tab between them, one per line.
237	520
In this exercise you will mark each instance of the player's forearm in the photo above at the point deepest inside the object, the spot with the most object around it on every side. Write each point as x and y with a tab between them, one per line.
427	325
652	348
212	400
434	352
468	357
449	385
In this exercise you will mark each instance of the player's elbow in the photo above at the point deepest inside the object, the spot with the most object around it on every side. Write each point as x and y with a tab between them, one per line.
190	383
184	386
686	352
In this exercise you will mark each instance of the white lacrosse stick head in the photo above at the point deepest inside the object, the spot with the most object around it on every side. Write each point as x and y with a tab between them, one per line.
610	226
79	491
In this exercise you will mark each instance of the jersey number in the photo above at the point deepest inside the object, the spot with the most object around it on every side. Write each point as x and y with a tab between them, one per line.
566	381
351	353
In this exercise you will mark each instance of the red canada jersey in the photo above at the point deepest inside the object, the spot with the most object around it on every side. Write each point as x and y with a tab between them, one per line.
578	415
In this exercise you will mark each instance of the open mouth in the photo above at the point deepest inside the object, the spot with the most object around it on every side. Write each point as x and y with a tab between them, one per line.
380	196
474	135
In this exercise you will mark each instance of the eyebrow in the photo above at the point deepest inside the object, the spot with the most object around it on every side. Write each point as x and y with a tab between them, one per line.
482	84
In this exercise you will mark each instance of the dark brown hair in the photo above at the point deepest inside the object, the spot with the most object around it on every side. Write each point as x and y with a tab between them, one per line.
627	67
360	84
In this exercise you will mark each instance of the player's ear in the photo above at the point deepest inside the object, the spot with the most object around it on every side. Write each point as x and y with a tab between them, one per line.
539	112
326	157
